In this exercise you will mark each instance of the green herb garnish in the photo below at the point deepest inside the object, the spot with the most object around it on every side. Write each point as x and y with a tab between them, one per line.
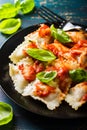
6	113
41	54
27	6
78	75
10	26
9	10
60	35
46	76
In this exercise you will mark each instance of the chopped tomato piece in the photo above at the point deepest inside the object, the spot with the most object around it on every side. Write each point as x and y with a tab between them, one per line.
30	45
24	52
57	48
78	48
53	48
43	91
64	80
84	98
38	66
75	53
81	43
85	83
62	72
28	72
44	31
51	68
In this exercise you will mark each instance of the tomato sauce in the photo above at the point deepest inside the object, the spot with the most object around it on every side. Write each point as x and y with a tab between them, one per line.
53	48
43	91
44	31
28	72
84	98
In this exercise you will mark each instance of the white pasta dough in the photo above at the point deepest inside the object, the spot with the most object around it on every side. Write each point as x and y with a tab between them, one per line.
75	95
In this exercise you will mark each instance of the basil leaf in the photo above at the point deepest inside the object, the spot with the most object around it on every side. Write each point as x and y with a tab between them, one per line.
78	75
46	76
8	10
10	26
40	54
60	35
27	6
6	113
17	3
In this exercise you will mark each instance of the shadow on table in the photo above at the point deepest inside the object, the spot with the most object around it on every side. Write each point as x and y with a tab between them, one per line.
28	119
44	123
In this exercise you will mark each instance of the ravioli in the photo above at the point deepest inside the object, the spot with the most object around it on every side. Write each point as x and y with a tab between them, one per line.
77	95
55	83
34	37
52	100
16	75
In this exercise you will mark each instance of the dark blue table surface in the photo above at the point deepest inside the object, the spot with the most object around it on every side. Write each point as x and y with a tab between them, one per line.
75	11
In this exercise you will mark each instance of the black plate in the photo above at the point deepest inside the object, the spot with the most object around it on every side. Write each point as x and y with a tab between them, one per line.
64	111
